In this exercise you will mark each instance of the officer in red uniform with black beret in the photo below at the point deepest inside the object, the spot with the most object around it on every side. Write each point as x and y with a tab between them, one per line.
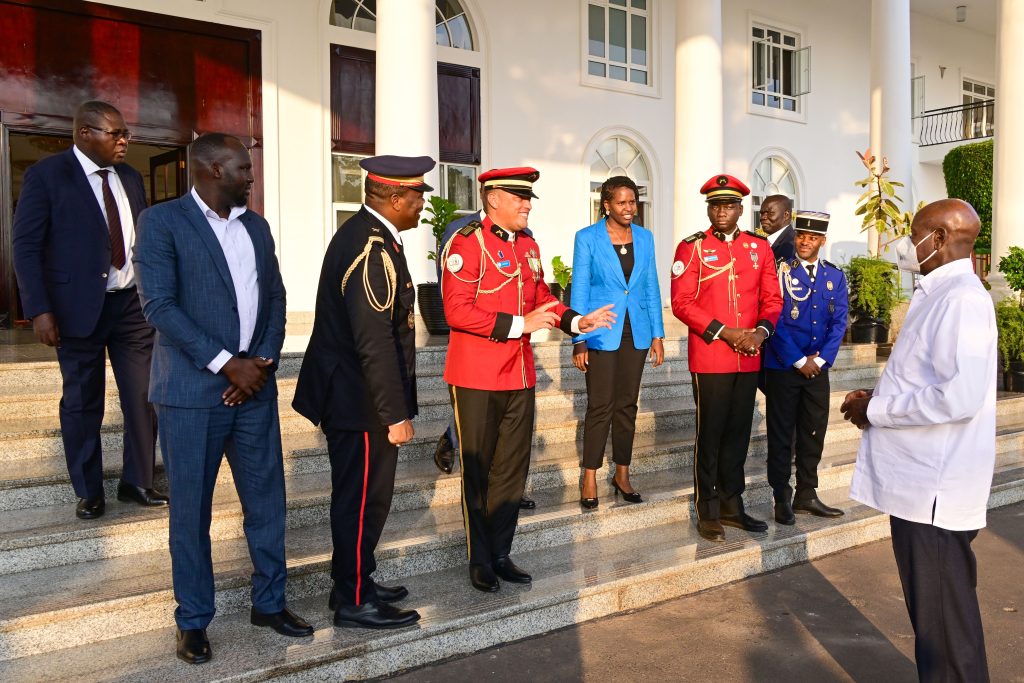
724	288
494	297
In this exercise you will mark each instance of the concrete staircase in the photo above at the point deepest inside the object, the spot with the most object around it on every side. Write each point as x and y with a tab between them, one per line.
94	599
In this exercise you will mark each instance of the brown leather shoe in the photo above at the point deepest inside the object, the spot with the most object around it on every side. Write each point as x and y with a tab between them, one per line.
813	506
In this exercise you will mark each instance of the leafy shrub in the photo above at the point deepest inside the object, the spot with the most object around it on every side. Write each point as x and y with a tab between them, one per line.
968	173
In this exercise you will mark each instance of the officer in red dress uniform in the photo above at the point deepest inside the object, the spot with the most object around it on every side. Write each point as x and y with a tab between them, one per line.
724	288
494	297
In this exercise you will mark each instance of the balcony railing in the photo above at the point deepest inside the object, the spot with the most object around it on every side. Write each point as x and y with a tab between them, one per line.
974	121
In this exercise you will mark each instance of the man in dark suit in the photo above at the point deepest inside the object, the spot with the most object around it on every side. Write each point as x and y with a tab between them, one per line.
73	233
210	284
776	219
358	381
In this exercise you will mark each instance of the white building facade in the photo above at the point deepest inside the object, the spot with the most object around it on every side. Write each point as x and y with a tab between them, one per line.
780	93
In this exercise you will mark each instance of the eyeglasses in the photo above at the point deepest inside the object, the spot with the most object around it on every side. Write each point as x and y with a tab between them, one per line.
115	134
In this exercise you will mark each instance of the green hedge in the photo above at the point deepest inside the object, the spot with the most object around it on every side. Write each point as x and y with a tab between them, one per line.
968	172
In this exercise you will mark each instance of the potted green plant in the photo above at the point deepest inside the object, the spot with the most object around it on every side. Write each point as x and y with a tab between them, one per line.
562	286
1010	321
442	212
874	291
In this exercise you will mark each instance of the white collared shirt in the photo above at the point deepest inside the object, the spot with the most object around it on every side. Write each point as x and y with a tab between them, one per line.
387	224
774	236
125	277
929	453
241	257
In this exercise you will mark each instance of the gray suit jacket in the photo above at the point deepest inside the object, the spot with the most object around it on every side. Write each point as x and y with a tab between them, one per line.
188	296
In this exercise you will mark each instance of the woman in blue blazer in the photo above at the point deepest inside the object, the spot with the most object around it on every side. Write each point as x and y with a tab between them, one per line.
613	263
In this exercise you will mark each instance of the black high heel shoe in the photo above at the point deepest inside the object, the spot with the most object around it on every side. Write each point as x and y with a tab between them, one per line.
633	497
586	503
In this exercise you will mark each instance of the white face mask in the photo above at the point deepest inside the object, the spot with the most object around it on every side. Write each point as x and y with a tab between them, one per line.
906	253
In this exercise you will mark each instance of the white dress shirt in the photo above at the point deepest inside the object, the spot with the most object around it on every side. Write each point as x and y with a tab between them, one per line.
774	236
929	453
241	257
125	277
387	224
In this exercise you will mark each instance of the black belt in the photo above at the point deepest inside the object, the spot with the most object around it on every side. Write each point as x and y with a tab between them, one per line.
132	289
242	354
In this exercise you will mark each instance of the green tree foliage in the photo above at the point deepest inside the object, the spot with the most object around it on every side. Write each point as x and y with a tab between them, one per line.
442	212
562	272
1010	325
874	287
879	204
968	173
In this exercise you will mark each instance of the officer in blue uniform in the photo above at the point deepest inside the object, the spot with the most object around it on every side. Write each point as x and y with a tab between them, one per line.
796	363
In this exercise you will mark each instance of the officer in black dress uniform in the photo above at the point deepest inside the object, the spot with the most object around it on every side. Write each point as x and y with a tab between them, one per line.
796	364
358	380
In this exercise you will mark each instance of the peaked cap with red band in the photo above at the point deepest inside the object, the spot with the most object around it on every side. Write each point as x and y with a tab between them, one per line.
401	171
724	188
518	181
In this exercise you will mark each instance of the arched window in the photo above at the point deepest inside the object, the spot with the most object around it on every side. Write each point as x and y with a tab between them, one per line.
618	156
773	174
452	22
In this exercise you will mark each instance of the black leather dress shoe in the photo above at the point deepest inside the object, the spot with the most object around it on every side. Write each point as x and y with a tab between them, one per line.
507	569
711	529
285	622
374	615
813	506
384	594
193	646
527	503
483	579
129	493
444	454
744	521
784	513
91	508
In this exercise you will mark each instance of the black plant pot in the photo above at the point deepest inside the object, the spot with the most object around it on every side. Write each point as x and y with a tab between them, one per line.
563	295
432	308
1013	379
869	331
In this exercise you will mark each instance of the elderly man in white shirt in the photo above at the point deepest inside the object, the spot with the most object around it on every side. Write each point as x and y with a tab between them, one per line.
928	450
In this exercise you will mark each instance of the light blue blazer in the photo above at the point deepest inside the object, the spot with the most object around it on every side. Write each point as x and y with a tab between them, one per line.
597	280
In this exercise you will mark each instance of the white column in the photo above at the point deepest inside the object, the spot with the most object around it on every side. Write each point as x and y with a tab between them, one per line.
407	102
698	151
891	126
1008	165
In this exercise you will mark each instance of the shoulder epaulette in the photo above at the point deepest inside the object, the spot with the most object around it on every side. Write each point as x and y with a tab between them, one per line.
830	264
470	228
694	237
754	234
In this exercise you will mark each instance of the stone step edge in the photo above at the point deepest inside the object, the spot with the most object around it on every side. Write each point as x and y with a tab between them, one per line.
390	652
312	573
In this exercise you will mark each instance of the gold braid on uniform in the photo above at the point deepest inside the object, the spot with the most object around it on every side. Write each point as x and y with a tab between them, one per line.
786	283
389	268
479	278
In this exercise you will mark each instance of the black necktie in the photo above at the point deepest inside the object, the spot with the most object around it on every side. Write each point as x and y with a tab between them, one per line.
810	271
117	258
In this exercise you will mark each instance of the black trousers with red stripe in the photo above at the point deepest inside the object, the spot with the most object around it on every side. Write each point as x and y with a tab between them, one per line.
362	484
725	412
495	434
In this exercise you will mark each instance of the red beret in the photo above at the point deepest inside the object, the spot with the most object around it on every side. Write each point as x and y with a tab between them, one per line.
518	180
724	188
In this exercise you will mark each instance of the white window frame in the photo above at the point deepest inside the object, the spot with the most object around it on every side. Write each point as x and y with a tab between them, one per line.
645	186
442	189
345	206
802	101
988	127
794	172
652	88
